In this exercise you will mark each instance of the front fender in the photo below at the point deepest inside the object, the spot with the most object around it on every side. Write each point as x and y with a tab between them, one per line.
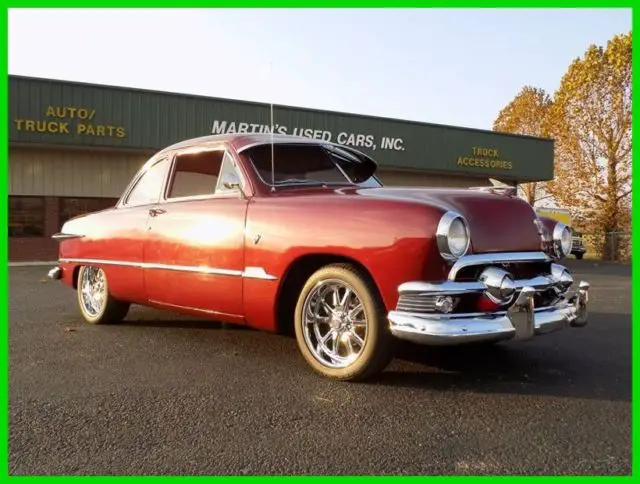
393	240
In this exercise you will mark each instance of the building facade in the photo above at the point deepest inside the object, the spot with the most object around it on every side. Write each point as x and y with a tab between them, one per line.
74	147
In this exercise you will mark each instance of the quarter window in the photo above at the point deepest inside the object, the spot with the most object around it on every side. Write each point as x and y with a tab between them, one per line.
227	173
148	188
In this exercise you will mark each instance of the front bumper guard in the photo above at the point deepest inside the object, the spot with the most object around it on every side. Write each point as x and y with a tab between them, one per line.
521	322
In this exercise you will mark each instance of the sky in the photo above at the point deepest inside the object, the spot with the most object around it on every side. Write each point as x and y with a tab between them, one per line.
456	67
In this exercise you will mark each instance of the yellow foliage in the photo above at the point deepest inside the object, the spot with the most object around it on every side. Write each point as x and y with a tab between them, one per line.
526	115
589	118
591	122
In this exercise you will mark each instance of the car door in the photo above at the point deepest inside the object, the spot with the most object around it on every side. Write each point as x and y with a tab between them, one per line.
126	230
195	246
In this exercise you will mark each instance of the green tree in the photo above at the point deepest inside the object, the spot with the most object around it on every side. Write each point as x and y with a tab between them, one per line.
526	114
590	119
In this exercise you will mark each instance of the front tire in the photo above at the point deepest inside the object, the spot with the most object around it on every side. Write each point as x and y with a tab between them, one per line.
341	325
96	304
579	256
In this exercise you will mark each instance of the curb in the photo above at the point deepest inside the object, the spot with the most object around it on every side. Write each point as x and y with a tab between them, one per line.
33	264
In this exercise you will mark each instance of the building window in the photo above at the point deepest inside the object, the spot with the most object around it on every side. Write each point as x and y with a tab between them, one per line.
26	216
73	207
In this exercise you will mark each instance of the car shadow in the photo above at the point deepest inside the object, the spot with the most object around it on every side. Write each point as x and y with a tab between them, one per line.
589	365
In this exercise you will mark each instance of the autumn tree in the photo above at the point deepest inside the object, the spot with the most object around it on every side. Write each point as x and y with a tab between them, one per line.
590	119
526	114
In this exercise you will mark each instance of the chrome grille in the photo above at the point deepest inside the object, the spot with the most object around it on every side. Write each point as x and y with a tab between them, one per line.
416	303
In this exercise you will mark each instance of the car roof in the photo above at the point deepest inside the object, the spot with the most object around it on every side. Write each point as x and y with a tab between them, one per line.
242	141
366	166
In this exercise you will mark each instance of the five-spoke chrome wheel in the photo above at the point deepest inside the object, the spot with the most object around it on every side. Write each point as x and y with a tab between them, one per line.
335	323
93	290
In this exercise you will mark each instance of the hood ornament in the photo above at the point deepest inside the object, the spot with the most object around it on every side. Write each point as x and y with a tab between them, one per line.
499	188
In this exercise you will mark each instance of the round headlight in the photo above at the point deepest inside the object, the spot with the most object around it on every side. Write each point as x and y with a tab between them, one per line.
452	236
458	238
562	239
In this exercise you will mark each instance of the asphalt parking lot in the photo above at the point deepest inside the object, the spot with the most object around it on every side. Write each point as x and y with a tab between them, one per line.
168	394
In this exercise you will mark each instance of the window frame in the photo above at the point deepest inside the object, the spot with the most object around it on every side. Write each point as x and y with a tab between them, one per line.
44	217
238	193
124	200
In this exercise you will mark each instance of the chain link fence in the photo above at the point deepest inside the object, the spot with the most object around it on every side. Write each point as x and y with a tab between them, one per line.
611	246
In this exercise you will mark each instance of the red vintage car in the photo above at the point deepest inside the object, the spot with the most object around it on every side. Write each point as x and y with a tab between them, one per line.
293	234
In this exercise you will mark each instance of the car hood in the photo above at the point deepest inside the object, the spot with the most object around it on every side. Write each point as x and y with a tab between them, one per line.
497	223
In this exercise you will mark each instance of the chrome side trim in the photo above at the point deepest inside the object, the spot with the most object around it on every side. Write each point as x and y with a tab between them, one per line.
495	258
197	269
257	273
63	236
249	272
100	261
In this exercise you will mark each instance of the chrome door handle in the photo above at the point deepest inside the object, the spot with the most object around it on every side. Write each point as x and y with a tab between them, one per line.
156	211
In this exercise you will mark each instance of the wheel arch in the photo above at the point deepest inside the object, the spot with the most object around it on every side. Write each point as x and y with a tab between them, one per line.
297	274
75	274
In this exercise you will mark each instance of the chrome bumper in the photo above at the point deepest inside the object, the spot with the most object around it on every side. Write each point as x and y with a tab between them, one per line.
521	321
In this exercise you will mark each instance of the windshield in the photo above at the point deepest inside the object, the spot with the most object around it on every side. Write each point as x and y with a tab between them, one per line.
300	164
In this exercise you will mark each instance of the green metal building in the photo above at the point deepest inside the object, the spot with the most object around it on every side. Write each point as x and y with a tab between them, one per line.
73	148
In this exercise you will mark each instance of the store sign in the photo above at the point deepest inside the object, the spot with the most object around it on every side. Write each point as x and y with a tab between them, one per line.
484	158
66	120
355	140
49	112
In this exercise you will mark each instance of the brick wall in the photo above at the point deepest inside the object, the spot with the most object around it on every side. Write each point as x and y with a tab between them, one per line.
29	249
32	249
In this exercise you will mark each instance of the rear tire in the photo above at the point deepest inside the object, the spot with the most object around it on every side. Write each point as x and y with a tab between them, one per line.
341	325
96	304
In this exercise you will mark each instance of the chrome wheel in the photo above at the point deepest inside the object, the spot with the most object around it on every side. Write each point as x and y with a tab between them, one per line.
93	291
334	323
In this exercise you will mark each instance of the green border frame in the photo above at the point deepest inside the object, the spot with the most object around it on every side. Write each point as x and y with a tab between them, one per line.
4	283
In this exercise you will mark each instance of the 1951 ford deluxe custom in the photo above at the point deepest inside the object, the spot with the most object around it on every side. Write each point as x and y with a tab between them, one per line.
284	233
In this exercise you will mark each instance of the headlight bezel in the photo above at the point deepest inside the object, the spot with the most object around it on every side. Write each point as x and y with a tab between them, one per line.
442	235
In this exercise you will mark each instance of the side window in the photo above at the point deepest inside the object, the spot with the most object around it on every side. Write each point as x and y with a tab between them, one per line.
148	188
195	174
229	181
